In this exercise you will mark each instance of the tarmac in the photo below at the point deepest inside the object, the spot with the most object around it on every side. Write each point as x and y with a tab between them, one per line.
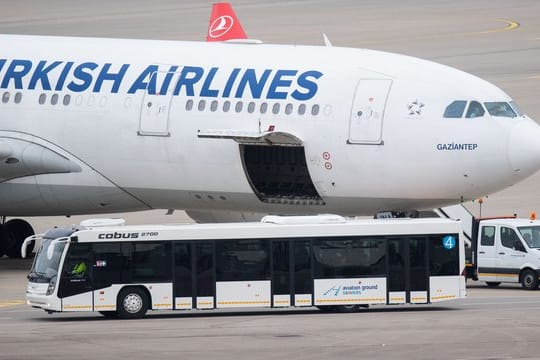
494	39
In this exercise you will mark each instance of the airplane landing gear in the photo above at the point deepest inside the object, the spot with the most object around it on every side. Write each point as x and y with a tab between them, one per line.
12	235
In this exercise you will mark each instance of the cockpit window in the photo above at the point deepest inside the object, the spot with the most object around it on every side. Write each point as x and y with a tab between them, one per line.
455	109
502	109
516	108
475	110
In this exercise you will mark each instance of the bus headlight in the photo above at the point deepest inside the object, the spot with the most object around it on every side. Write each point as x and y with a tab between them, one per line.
50	288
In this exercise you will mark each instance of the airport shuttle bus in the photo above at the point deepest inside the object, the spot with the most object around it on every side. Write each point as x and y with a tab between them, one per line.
330	262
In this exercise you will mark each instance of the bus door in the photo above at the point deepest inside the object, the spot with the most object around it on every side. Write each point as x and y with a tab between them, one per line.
75	288
292	279
194	275
408	271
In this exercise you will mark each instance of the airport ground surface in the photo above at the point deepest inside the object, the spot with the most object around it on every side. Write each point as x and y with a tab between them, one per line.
497	323
478	36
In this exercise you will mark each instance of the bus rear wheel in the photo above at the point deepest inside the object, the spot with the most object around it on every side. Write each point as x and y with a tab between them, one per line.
529	280
132	303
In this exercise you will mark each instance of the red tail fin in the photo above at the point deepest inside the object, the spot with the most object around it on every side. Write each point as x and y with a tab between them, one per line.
224	24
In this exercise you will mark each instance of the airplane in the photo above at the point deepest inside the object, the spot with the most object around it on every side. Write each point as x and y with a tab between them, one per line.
229	130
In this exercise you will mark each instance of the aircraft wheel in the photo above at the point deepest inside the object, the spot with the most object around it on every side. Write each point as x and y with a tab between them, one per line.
15	231
3	240
493	283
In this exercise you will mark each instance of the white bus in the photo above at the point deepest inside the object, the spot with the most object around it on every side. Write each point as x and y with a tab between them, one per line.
324	261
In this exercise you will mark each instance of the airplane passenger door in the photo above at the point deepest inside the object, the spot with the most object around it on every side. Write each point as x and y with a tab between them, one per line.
156	107
367	113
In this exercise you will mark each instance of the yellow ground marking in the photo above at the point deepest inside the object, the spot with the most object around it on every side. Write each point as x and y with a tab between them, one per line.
8	303
510	25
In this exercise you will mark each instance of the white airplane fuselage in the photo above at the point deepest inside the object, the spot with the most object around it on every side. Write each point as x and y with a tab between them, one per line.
107	125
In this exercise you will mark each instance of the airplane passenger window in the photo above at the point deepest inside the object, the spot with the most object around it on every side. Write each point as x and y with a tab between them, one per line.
238	106
516	108
301	109
67	100
502	109
315	109
475	110
18	97
275	108
5	97
54	99
455	109
264	108
288	109
189	105
202	105
226	106
251	107
42	99
214	105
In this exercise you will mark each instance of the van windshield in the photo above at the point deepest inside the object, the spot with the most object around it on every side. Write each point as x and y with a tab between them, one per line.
531	235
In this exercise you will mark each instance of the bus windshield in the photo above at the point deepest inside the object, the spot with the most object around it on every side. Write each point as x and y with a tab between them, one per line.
531	234
47	261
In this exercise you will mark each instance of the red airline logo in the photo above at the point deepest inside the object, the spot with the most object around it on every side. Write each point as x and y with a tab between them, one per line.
220	26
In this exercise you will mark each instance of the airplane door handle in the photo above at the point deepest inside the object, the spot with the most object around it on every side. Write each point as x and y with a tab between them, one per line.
501	253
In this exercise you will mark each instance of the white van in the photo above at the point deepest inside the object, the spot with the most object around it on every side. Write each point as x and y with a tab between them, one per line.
509	251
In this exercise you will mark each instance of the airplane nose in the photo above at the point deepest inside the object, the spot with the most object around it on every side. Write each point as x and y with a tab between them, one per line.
524	148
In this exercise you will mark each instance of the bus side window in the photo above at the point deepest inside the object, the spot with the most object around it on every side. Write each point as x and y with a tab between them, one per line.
107	264
78	261
242	260
488	236
147	262
443	260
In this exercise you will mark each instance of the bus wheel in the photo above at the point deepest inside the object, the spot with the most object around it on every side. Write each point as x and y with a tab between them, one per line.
493	283
350	308
529	280
109	314
132	303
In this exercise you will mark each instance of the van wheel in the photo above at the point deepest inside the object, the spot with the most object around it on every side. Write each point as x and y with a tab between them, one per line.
132	303
493	283
529	280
